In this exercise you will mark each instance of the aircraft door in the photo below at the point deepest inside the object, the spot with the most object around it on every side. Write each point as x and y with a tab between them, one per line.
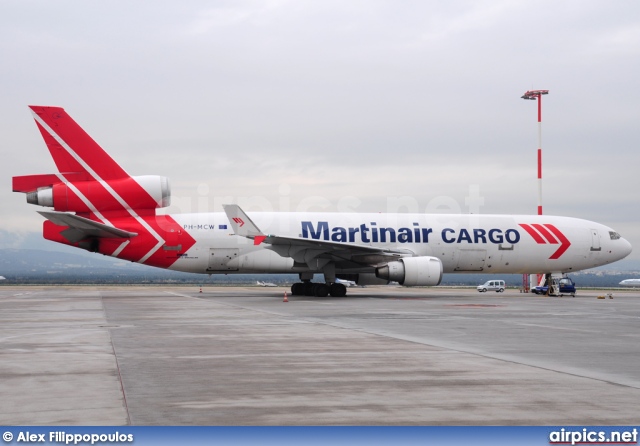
471	260
223	259
506	257
595	240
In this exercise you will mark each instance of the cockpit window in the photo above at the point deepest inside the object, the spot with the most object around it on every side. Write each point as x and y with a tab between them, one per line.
614	235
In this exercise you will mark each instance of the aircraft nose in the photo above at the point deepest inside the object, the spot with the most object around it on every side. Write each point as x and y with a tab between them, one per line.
625	248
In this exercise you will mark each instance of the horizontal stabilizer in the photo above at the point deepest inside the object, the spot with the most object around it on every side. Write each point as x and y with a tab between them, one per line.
81	228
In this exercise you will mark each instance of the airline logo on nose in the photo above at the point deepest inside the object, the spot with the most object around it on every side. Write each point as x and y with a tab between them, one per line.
548	233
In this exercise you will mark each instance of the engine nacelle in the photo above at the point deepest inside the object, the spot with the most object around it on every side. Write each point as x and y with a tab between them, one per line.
143	192
413	271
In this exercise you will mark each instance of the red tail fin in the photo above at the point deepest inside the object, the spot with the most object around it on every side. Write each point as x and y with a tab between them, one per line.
115	214
90	182
72	149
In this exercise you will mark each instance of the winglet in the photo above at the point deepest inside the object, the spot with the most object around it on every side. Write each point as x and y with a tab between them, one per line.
242	224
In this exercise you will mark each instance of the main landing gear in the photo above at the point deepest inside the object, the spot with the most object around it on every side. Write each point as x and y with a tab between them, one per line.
306	288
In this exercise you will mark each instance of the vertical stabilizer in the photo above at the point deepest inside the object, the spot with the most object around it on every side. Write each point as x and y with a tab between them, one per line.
72	149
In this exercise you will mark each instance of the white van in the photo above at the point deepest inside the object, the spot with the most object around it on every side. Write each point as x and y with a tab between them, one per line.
492	285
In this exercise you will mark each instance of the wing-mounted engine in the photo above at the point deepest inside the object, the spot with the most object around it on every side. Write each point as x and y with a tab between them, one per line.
412	271
139	192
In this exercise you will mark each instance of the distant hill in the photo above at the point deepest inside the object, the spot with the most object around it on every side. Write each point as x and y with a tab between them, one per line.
31	262
588	278
38	266
54	267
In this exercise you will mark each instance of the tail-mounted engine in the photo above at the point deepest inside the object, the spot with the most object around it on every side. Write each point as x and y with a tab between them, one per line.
141	192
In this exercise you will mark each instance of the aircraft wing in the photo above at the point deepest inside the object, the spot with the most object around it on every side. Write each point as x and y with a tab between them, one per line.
307	251
81	228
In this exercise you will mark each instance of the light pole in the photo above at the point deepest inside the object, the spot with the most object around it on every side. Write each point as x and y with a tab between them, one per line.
533	95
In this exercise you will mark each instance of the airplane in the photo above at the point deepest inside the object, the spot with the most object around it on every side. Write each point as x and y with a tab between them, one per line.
97	206
266	284
630	282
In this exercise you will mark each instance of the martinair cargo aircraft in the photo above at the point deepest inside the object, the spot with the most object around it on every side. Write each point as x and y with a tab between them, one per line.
99	207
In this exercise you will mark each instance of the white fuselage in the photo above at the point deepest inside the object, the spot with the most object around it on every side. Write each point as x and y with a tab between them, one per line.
97	206
463	243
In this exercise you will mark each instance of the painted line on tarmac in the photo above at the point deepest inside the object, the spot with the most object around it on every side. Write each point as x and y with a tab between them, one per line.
184	295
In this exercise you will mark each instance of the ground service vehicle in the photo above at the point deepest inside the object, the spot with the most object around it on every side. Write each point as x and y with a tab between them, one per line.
560	287
492	285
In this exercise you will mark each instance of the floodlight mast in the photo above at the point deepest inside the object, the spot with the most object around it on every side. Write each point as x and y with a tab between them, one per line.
533	95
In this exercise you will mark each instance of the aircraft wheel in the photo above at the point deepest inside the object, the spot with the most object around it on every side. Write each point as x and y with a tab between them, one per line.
321	290
308	288
338	290
297	289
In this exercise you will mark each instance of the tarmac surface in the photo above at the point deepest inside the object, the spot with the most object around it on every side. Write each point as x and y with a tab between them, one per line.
380	356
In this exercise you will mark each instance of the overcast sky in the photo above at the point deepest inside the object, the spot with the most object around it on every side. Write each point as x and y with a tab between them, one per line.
336	105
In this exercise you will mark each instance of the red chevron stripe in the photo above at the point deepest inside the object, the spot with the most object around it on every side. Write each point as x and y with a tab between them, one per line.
564	242
533	233
552	235
546	234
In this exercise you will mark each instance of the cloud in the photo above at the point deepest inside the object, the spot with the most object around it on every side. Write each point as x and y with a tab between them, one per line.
355	103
